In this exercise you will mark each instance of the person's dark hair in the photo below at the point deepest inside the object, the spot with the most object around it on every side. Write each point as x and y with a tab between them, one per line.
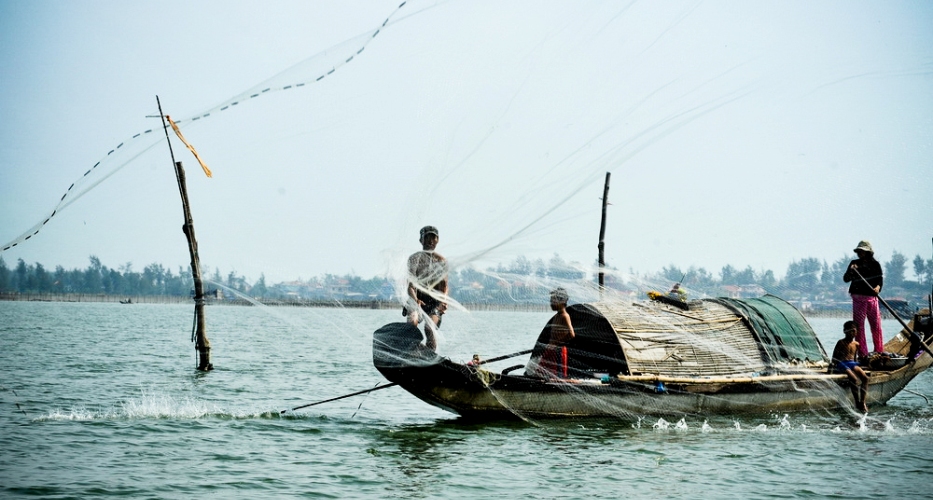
560	295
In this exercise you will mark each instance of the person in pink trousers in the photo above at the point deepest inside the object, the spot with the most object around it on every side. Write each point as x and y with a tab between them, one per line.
865	281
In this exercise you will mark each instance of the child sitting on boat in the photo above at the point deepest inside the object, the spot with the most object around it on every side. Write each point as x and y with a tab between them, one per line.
844	361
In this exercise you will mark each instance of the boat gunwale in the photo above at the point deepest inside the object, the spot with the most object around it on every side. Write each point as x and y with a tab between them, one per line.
874	376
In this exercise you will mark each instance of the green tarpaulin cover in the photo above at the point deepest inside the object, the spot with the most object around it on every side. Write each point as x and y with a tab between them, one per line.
783	333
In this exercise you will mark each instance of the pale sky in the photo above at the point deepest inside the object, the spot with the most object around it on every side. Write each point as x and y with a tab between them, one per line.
743	133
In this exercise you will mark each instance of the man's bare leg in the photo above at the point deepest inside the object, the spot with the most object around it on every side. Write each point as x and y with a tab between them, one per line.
430	332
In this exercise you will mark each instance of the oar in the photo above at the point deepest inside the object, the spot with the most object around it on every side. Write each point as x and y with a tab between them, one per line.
380	387
507	356
357	393
891	310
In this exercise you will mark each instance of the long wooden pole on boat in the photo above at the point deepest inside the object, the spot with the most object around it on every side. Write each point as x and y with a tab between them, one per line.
914	336
393	384
602	239
201	343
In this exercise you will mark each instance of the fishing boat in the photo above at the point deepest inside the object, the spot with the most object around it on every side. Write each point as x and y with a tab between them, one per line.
658	357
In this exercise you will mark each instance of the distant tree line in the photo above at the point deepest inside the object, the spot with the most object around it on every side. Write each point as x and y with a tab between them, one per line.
518	281
154	279
810	278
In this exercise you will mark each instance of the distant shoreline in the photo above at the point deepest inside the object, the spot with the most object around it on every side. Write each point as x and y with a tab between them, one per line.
350	304
173	299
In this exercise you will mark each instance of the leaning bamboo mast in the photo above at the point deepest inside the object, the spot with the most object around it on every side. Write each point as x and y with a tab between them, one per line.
602	240
201	343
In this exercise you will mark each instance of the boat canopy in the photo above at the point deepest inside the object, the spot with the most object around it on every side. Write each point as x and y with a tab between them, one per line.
780	329
719	337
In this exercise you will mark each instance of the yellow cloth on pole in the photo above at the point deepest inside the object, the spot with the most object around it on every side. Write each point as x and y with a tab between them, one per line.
207	171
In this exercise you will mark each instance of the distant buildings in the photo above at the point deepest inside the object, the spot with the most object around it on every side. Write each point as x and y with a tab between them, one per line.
743	291
336	288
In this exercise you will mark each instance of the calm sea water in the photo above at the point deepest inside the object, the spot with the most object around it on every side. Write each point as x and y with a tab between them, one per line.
102	400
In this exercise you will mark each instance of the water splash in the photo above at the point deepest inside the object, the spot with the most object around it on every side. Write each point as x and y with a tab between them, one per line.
149	405
662	425
888	426
785	423
154	405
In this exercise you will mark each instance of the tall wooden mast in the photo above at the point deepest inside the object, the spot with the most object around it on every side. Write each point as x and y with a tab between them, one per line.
602	239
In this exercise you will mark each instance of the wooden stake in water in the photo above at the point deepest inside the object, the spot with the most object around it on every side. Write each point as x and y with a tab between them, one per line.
201	342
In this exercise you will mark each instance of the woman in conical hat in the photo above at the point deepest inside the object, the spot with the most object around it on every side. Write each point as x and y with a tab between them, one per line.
865	281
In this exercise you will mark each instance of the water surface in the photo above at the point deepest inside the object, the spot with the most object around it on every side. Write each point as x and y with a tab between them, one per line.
103	400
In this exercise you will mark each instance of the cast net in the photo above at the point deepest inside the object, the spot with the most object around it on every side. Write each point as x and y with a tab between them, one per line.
510	168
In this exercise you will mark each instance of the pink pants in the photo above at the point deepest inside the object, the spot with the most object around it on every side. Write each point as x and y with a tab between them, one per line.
864	307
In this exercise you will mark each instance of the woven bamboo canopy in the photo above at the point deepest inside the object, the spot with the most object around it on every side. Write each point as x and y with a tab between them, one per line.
709	338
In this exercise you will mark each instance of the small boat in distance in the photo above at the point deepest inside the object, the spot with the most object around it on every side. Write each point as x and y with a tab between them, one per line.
714	356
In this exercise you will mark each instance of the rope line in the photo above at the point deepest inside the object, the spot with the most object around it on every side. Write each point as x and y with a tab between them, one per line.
254	94
61	202
34	230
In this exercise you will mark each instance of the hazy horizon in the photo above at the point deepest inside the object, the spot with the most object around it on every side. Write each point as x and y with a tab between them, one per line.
751	134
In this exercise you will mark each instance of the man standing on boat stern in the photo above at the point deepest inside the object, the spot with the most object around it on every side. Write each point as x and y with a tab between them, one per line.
865	276
427	285
554	358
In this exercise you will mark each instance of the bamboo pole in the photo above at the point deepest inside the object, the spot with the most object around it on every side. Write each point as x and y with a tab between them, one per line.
602	239
201	343
393	384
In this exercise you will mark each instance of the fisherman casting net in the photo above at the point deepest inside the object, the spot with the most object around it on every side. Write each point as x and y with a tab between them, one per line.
502	141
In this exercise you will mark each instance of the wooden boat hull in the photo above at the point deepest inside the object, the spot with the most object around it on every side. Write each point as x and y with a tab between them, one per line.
476	393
